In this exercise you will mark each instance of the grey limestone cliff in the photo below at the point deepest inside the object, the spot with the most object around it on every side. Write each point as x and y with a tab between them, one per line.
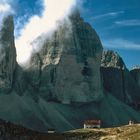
67	67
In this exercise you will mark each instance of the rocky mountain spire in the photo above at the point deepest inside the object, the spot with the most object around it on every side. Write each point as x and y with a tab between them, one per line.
7	54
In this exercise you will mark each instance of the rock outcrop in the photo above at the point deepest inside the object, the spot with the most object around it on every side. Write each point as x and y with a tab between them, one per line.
7	55
66	69
136	74
112	59
117	79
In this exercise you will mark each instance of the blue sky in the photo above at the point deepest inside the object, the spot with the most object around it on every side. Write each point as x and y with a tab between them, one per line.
117	22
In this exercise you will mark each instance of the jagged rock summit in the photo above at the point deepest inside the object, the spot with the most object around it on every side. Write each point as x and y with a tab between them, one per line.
112	59
64	69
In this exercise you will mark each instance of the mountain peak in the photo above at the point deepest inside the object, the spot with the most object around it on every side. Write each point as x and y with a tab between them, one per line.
7	28
112	59
75	13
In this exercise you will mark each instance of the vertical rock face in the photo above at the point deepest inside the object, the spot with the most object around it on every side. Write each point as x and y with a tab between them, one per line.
117	79
136	74
67	68
7	54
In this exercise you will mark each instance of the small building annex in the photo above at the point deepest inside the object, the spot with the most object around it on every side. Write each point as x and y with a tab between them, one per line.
51	131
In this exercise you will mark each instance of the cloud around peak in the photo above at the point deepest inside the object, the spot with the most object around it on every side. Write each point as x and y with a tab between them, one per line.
5	9
38	25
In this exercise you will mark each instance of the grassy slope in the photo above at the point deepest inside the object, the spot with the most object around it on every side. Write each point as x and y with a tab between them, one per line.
16	132
117	133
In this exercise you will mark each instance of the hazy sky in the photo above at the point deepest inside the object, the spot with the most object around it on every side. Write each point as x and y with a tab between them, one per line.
117	22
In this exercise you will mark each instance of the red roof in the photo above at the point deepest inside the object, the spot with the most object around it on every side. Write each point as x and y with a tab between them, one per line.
92	122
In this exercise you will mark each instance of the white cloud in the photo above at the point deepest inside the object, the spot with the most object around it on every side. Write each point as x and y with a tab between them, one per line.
4	8
108	15
131	22
120	44
53	11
